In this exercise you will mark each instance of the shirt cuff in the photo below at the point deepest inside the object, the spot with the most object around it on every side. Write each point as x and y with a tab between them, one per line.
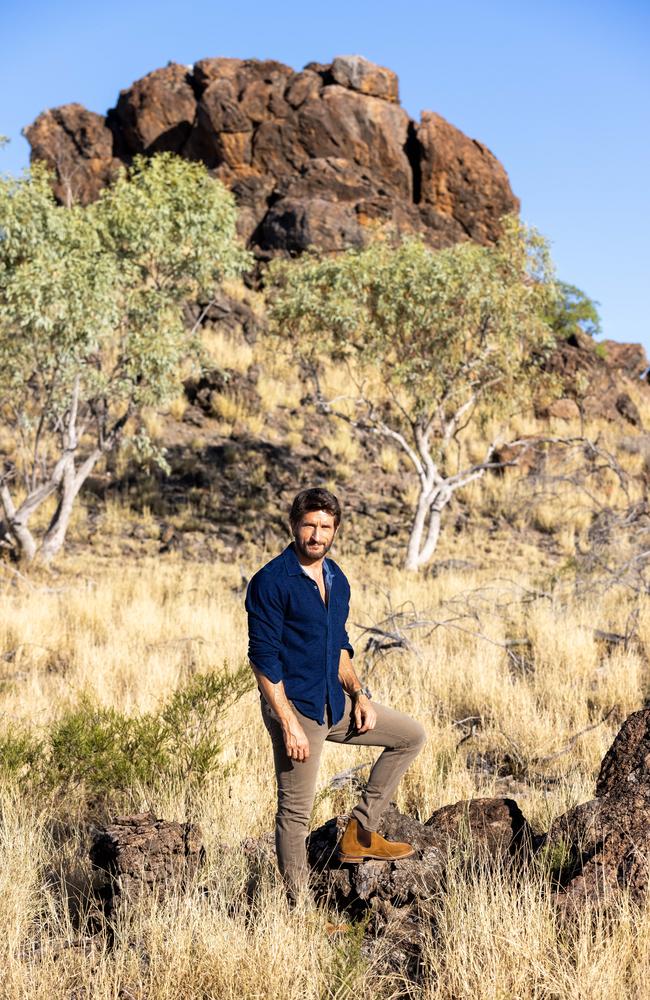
346	645
271	669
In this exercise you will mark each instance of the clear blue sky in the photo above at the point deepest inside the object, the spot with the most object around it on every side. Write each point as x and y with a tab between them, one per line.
559	91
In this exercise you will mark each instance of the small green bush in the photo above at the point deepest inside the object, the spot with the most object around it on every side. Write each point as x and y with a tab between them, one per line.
20	751
104	751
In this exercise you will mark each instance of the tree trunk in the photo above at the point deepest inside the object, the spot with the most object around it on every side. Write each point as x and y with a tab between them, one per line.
428	515
57	529
17	527
417	530
433	534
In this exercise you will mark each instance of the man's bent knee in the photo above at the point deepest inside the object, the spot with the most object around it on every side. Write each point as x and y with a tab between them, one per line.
418	736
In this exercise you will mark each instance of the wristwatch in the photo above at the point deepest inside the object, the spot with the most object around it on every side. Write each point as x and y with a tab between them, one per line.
355	695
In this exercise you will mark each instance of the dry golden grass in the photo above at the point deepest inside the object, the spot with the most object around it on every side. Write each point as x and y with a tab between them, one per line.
130	634
225	350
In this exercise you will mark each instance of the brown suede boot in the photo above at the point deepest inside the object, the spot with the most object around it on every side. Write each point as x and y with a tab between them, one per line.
352	851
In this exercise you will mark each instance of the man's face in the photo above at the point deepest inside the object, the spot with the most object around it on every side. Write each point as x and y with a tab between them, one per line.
314	534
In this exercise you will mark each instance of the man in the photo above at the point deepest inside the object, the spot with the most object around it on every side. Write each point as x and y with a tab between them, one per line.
300	653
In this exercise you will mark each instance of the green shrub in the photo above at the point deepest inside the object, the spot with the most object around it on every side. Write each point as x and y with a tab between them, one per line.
104	751
20	751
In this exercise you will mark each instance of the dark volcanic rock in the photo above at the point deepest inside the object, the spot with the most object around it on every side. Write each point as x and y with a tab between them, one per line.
629	358
320	157
397	897
628	409
357	73
139	853
496	826
493	827
627	762
604	844
157	112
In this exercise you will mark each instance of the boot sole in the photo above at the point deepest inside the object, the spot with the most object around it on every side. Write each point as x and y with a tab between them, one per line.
355	859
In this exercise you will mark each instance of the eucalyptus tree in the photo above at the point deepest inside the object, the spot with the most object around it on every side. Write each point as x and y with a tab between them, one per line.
437	339
91	322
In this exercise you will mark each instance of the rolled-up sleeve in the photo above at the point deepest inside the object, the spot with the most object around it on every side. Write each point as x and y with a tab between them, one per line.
265	608
346	638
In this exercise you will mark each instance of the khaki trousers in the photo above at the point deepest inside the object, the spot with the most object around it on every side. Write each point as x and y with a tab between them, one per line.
402	739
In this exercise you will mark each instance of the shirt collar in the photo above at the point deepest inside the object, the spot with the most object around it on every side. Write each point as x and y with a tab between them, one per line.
295	568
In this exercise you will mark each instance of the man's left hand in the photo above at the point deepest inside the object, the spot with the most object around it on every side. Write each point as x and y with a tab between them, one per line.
365	717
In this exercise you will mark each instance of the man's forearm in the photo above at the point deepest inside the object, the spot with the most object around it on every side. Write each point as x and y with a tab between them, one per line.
275	696
347	674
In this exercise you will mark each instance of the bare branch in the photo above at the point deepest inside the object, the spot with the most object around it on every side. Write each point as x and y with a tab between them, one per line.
573	740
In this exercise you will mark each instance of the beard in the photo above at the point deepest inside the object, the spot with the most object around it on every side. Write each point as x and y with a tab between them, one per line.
309	551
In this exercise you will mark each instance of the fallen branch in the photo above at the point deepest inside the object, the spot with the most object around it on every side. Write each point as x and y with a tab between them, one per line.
573	740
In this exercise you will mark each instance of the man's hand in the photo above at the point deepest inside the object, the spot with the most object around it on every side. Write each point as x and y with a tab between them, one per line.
365	717
295	742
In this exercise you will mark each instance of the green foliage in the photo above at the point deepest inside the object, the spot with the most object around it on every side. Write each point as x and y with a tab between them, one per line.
104	751
439	326
20	750
91	308
191	718
556	861
432	339
97	291
573	308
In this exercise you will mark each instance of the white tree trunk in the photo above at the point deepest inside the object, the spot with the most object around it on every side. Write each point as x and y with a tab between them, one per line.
57	529
417	530
428	515
17	526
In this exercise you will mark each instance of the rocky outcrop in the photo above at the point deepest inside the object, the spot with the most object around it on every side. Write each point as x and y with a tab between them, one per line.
603	846
595	379
137	854
494	829
78	146
595	852
318	157
395	896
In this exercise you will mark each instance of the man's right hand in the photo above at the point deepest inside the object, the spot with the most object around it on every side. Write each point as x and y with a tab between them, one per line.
295	742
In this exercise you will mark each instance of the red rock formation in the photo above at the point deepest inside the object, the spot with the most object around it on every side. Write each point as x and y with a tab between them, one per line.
319	157
78	145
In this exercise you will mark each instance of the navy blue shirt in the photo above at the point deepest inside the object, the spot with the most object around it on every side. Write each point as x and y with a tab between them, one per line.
294	637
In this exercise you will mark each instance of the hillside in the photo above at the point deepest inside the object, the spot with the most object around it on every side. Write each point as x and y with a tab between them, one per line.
324	157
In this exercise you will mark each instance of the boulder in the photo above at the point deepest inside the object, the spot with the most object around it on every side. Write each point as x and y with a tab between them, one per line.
594	376
157	112
140	853
627	762
359	74
493	828
628	409
603	846
77	145
463	189
564	409
395	897
317	158
628	358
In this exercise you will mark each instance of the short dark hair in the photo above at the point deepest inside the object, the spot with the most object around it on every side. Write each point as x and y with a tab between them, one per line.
315	499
